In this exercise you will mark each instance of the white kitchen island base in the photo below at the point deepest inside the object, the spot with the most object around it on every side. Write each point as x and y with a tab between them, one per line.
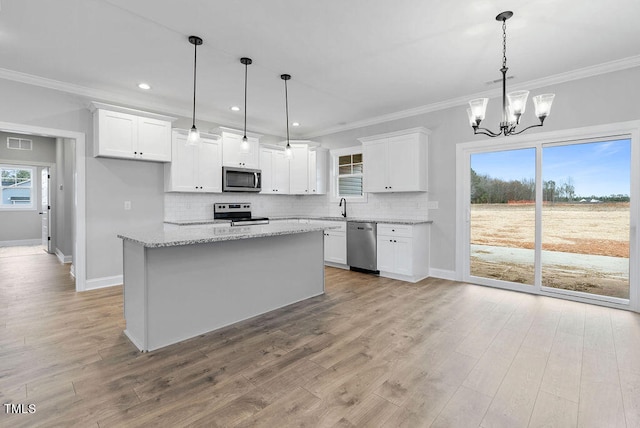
175	292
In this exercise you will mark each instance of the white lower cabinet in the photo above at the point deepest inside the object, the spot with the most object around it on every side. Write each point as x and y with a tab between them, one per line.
403	251
335	244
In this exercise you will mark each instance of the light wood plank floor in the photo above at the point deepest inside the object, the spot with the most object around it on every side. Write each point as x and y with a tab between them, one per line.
371	352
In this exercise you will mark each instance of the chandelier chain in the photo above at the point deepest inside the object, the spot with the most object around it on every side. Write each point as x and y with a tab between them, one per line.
504	43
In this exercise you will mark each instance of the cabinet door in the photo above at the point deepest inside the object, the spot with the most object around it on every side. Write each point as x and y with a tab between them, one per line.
403	256
403	159
117	134
231	149
313	173
280	177
251	159
181	172
299	171
266	161
375	166
209	165
154	139
385	253
335	247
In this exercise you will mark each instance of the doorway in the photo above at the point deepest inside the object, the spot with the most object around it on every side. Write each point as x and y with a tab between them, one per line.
553	215
77	139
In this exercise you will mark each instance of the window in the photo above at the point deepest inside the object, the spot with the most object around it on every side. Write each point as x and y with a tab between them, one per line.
17	187
349	176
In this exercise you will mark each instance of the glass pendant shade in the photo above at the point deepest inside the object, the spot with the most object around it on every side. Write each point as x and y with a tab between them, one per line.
479	108
542	104
288	153
193	137
472	118
512	119
518	101
244	145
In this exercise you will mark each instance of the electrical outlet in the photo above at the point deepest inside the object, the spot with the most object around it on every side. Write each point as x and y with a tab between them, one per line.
127	205
432	205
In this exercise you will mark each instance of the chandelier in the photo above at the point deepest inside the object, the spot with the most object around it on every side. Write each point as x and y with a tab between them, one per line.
512	111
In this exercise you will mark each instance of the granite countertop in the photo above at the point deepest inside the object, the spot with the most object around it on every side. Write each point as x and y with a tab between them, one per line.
158	237
317	218
360	219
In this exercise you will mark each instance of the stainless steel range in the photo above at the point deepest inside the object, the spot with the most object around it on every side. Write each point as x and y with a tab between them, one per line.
238	213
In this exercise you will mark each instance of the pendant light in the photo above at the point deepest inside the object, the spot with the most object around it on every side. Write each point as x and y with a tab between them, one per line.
244	146
287	151
517	100
194	134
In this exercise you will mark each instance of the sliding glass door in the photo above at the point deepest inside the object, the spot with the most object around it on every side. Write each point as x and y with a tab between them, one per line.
585	217
502	215
552	217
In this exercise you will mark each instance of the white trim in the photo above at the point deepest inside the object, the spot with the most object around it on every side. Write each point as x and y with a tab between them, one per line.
80	244
91	93
95	105
72	271
336	265
538	140
401	277
443	274
420	129
21	242
107	281
62	257
581	73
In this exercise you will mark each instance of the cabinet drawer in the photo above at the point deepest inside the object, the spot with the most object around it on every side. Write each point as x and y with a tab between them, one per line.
395	230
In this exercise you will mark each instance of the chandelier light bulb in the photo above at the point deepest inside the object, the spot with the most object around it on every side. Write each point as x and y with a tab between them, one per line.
479	108
518	101
244	145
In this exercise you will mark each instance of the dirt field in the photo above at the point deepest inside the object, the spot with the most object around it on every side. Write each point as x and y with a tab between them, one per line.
593	229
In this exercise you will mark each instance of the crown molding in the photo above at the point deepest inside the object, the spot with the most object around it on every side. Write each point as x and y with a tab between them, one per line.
582	73
111	97
92	94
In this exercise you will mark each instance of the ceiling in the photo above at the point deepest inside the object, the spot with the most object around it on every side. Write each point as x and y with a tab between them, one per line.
352	62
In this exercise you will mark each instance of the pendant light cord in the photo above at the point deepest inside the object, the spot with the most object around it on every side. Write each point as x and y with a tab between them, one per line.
286	103
246	67
195	57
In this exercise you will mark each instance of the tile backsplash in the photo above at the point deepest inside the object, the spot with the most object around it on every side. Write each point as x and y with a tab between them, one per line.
189	206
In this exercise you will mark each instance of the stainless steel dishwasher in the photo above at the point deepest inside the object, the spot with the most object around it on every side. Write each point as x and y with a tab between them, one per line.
361	245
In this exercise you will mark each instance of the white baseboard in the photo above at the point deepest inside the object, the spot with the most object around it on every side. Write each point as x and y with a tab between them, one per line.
62	257
406	278
107	281
21	242
72	270
443	274
336	265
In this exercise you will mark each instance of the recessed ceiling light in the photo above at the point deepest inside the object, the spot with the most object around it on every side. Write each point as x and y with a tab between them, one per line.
144	86
235	108
295	124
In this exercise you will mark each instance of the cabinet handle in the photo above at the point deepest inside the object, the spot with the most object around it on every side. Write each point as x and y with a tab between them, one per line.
140	153
135	153
390	240
395	240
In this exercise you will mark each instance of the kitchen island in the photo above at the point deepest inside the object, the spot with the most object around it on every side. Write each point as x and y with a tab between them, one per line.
185	282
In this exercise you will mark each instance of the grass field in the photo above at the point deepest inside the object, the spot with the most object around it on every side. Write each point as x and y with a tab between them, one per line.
574	229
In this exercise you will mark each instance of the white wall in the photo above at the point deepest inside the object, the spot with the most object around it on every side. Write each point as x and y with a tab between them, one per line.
64	213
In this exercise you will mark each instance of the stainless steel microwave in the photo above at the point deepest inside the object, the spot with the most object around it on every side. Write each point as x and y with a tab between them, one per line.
241	179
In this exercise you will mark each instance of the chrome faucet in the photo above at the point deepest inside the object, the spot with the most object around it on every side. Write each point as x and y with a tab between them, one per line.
344	208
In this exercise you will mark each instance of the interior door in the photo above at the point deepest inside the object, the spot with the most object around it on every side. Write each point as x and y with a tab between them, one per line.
45	209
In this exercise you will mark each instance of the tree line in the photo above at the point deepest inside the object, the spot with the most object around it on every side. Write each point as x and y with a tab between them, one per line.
488	190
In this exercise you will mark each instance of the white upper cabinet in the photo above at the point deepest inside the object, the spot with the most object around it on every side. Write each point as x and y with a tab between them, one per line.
194	168
232	155
131	134
396	162
308	169
299	170
275	171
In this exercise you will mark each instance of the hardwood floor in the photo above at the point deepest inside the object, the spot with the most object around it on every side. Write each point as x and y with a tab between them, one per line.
371	352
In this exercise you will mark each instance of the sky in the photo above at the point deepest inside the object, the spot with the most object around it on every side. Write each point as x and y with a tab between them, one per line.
600	169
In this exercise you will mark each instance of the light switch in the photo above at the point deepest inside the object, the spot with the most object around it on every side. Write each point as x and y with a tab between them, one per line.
127	205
